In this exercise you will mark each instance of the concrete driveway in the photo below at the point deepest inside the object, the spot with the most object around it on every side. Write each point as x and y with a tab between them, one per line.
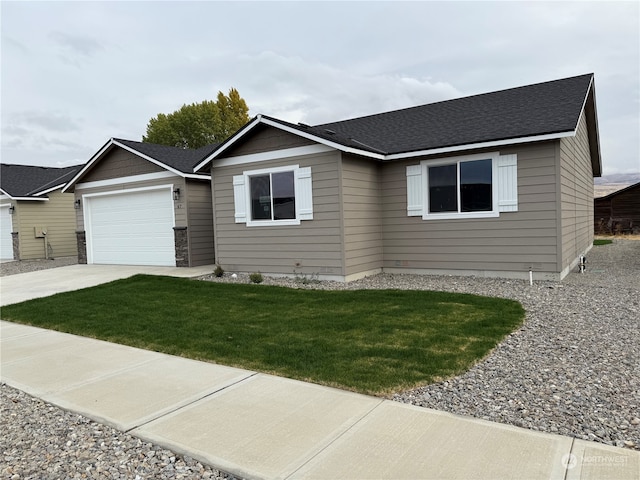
25	286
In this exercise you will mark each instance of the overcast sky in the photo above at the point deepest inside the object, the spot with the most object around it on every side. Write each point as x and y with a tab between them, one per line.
75	74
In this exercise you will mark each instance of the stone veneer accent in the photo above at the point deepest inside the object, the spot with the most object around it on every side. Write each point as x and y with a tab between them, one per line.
182	246
81	238
15	240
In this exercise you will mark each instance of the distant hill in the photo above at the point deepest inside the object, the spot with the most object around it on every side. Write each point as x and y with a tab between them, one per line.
618	178
609	184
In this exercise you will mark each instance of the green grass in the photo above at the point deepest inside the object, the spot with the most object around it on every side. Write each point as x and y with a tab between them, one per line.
369	341
602	242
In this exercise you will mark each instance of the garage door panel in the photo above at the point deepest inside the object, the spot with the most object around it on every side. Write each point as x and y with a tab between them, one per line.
132	228
6	241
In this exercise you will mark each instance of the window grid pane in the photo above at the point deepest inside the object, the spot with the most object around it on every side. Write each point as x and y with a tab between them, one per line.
475	186
443	189
284	196
260	197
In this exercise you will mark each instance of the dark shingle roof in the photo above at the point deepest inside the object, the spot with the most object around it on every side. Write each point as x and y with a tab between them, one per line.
181	159
507	116
30	180
539	109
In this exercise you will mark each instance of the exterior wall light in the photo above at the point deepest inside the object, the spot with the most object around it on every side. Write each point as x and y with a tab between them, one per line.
176	194
77	204
12	209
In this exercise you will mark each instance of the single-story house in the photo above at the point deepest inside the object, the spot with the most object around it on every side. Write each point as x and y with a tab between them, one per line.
142	204
618	212
498	184
37	220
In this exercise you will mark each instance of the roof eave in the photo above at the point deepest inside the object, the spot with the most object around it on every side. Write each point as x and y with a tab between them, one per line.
479	145
591	112
36	199
49	190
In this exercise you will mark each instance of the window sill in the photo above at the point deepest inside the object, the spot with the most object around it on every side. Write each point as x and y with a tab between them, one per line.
272	223
460	216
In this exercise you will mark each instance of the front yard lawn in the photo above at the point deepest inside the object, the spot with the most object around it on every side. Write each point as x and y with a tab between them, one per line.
370	341
601	241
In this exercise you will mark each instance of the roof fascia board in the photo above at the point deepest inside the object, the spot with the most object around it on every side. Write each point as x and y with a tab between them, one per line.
238	135
88	165
592	123
129	179
260	119
38	199
49	190
7	196
273	155
584	102
328	143
196	176
473	146
148	158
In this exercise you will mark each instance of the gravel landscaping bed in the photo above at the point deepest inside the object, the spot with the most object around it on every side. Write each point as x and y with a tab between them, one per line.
43	442
24	266
573	368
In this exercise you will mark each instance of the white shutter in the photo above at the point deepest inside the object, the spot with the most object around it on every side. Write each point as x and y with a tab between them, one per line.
240	198
304	193
507	183
415	188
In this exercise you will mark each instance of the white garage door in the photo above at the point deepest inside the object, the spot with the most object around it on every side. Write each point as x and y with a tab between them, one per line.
6	242
131	228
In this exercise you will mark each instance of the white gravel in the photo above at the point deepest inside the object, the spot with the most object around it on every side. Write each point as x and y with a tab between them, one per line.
573	368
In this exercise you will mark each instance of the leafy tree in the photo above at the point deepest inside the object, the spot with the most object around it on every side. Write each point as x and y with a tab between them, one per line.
199	124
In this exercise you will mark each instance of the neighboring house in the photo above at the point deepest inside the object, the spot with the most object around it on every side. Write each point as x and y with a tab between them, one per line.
141	204
618	212
493	185
37	220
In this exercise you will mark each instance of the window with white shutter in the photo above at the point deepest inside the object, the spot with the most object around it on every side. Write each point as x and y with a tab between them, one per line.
273	196
470	186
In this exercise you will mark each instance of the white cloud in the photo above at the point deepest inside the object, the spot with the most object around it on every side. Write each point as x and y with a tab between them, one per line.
90	71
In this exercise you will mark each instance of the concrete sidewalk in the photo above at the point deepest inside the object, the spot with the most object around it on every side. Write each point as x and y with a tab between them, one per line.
261	426
42	283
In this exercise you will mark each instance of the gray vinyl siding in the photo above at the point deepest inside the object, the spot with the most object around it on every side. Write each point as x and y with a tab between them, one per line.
315	245
266	139
120	163
576	196
57	216
361	204
200	222
513	242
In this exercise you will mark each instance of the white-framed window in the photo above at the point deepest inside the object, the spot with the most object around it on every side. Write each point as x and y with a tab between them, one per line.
273	196
470	186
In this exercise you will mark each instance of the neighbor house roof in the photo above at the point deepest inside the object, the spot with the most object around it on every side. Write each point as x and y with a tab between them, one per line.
30	182
180	161
618	192
536	112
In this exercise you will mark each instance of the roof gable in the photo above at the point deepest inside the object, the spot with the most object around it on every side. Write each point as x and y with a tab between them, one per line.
180	161
33	182
530	113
